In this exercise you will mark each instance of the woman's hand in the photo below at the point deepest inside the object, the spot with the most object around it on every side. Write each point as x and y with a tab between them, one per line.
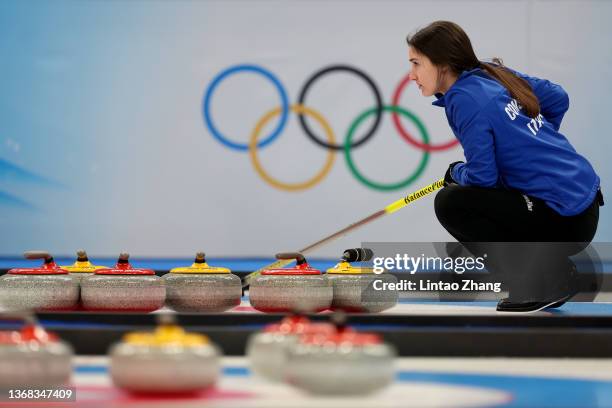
448	177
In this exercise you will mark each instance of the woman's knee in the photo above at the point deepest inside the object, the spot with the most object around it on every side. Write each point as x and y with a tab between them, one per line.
446	204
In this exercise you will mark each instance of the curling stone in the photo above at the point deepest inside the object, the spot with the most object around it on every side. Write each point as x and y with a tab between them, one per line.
343	363
300	288
31	358
123	288
166	361
81	267
267	350
355	288
45	288
202	288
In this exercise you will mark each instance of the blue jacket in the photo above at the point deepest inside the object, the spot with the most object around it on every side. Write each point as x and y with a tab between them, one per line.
505	148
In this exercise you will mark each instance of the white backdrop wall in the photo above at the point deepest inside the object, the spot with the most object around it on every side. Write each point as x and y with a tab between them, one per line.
103	143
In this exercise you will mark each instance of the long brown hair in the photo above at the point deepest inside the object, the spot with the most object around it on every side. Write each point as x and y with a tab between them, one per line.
446	44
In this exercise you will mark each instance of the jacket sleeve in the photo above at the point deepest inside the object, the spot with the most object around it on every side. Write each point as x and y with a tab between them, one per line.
473	130
554	101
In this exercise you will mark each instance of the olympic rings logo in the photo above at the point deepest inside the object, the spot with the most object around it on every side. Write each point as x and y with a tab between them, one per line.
329	142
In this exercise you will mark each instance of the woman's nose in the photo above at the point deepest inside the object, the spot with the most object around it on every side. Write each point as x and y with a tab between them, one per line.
412	76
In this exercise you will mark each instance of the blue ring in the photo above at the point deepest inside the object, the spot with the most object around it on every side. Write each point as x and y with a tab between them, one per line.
258	70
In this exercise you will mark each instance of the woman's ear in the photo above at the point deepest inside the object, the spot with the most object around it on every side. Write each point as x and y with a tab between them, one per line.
442	70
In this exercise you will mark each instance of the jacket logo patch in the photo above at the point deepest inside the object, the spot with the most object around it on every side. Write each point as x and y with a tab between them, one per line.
528	202
535	124
513	109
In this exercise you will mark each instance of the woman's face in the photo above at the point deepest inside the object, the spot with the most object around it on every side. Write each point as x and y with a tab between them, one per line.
423	72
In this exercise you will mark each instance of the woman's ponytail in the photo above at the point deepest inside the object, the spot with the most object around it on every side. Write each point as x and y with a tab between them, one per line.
518	88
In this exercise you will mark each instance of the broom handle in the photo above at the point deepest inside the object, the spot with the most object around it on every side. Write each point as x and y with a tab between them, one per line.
391	208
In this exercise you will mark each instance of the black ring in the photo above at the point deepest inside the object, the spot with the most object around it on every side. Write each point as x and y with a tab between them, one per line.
359	73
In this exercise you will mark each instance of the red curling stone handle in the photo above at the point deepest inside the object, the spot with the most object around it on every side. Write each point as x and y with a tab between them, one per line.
299	258
36	255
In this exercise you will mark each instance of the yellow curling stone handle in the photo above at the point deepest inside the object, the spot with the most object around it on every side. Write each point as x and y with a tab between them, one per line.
82	264
82	267
200	266
348	269
166	335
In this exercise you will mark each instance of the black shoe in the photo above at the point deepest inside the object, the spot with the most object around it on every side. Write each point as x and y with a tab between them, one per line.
506	305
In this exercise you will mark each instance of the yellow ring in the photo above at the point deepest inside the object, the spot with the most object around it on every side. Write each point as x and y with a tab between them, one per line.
300	109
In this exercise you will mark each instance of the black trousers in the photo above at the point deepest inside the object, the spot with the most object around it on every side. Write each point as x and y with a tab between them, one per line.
527	243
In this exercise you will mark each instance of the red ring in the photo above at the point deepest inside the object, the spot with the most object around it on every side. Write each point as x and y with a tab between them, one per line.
407	136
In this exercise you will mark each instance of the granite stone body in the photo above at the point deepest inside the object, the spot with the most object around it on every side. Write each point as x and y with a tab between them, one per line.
31	366
288	293
123	292
357	293
38	292
164	369
267	351
28	362
202	292
167	360
340	369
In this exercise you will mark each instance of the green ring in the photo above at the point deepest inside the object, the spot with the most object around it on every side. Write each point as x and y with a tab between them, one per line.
380	186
